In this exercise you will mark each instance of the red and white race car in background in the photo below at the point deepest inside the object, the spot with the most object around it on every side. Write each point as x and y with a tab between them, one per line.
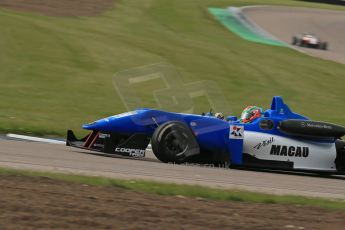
309	40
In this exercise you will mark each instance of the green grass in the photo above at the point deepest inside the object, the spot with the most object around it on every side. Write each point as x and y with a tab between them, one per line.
56	73
167	189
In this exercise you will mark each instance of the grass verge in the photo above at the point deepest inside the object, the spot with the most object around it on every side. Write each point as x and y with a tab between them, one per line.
169	189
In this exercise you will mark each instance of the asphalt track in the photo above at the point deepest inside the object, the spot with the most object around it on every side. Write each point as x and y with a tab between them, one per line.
60	158
285	22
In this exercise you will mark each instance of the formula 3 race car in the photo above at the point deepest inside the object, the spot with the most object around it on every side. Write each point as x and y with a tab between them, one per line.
309	40
279	139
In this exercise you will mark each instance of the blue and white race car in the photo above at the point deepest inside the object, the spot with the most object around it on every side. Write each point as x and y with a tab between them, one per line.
277	139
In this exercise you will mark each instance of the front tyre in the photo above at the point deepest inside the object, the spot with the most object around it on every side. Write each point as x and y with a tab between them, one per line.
324	46
174	141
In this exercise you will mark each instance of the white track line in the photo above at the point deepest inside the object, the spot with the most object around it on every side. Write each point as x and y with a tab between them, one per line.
44	140
37	139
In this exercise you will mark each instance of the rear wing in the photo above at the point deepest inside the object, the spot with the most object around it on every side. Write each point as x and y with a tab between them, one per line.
281	110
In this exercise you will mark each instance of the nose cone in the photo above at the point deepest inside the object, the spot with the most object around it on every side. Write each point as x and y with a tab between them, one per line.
117	123
129	122
97	125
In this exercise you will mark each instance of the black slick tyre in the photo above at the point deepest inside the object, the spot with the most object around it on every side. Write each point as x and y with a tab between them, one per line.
174	141
322	46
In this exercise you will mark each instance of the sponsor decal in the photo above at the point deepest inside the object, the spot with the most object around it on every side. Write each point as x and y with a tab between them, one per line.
236	132
315	125
131	152
104	135
291	151
264	143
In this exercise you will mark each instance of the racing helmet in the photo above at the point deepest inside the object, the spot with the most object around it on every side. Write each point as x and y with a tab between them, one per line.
219	116
250	113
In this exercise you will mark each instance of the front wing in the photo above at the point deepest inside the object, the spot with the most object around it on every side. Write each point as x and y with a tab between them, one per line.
111	143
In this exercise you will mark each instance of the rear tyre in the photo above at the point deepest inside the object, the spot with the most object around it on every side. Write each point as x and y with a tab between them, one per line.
174	142
340	159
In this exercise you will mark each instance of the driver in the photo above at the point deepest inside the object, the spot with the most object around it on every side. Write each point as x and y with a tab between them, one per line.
250	113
